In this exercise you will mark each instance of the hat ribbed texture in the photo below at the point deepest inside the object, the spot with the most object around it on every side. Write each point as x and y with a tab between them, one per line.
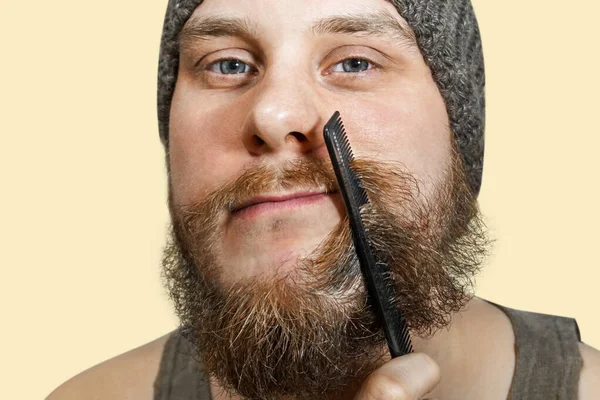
448	37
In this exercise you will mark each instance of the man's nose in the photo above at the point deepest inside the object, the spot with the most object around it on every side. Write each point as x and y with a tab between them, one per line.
284	117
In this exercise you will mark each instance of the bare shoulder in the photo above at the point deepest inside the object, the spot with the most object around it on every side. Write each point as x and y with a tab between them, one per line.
129	376
589	381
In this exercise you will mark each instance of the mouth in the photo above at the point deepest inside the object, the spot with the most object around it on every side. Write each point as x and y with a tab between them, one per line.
272	203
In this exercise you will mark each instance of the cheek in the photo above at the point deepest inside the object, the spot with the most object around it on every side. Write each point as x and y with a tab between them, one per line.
199	134
409	126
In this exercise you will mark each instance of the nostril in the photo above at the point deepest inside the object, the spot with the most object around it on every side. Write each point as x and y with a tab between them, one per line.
300	137
258	140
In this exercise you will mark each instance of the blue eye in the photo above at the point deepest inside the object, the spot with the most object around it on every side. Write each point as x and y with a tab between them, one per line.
229	67
352	65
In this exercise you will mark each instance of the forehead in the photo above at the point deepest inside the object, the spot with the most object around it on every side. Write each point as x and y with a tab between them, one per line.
270	9
261	18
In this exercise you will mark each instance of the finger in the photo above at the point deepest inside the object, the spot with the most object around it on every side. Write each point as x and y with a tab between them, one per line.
409	377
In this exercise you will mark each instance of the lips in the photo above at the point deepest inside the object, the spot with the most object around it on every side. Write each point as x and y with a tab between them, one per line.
259	204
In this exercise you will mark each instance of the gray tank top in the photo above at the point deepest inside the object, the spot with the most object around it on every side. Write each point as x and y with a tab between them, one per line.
548	362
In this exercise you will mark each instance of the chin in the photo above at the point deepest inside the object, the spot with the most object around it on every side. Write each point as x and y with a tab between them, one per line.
268	253
277	259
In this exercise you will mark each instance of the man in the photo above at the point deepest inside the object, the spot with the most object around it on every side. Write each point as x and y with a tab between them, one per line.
260	265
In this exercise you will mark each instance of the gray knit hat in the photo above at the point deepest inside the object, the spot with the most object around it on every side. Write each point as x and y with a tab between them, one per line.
448	36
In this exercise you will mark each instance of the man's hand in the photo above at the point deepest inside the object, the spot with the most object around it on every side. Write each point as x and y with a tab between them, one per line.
409	377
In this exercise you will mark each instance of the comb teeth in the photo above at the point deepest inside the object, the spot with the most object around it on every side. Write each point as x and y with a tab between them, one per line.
335	128
337	132
405	343
344	143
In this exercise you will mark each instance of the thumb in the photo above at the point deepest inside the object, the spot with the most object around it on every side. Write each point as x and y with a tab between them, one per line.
408	377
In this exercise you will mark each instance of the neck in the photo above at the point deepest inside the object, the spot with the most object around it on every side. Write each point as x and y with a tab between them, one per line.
475	353
450	348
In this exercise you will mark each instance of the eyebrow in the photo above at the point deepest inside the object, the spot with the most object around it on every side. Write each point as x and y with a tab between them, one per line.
380	24
205	28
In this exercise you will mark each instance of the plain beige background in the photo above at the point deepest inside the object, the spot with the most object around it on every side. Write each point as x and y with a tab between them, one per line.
83	206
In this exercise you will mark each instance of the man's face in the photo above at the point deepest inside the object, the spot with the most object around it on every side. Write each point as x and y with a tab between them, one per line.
261	265
242	101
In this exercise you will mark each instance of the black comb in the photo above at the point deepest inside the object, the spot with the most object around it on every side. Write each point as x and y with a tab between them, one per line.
380	286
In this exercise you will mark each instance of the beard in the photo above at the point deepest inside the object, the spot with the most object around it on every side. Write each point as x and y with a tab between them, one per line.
310	332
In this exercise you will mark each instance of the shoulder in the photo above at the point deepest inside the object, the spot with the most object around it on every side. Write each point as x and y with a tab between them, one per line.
589	381
127	376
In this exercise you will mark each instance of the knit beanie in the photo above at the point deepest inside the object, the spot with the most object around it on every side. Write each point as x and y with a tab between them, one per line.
447	35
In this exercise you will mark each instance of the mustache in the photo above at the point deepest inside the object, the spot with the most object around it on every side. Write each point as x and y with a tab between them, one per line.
306	174
298	175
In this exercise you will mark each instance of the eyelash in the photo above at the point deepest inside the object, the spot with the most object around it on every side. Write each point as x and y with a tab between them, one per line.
215	65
